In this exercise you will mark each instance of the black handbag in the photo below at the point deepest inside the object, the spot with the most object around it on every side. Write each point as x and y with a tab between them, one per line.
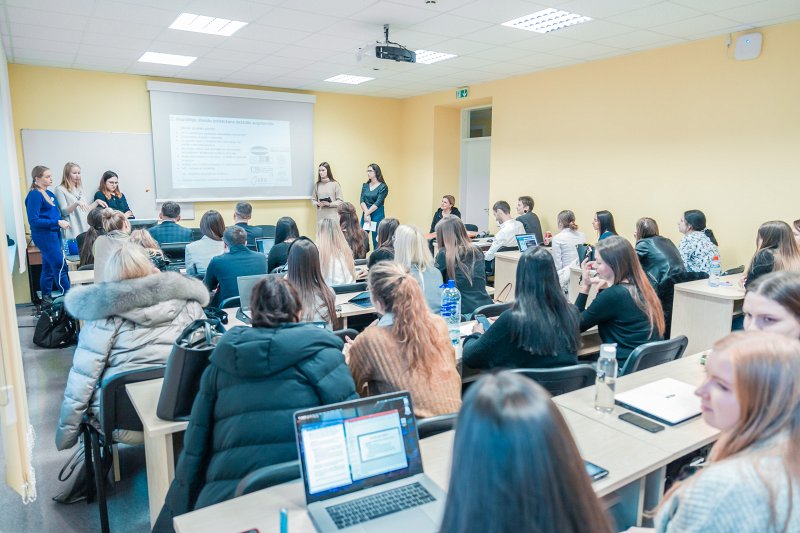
55	328
185	367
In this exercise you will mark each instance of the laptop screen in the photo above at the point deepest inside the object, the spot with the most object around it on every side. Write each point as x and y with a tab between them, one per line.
525	241
246	285
354	445
265	244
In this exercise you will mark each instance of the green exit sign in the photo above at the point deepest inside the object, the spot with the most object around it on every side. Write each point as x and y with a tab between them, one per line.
462	92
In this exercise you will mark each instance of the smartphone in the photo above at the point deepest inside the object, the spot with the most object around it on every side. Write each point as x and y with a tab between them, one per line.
642	422
595	472
483	321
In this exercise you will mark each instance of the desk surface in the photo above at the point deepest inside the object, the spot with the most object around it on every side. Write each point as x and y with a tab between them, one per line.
144	396
701	287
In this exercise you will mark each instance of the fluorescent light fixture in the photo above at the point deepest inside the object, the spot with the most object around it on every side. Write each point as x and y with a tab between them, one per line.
203	24
349	79
167	59
546	20
428	56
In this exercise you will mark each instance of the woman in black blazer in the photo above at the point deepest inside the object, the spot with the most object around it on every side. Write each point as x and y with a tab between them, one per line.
447	209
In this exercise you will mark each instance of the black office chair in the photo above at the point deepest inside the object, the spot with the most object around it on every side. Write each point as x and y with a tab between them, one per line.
86	267
428	427
560	380
654	353
267	230
116	412
471	227
227	303
280	269
736	270
347	332
196	234
350	287
666	293
490	310
361	262
268	476
174	251
583	249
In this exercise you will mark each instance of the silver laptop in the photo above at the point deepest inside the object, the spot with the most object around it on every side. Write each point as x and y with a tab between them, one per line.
667	400
246	285
525	241
265	244
362	468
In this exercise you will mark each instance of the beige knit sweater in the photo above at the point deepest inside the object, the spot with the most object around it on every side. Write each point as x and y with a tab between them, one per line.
378	363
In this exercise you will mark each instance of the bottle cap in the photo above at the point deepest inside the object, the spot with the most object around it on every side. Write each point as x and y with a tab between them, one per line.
716	258
451	284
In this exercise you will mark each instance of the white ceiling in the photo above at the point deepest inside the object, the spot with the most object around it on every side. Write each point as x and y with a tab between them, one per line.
298	43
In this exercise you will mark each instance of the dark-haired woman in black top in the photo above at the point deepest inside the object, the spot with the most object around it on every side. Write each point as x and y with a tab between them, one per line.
603	223
285	232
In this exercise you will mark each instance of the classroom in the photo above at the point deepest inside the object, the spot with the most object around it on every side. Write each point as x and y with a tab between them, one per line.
650	108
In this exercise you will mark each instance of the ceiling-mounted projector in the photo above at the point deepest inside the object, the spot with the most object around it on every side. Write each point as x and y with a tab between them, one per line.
386	50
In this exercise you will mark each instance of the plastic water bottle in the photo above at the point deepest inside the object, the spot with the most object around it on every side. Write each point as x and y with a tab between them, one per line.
65	247
451	312
714	272
606	381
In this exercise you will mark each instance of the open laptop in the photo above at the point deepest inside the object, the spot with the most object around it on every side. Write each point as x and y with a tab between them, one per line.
362	468
264	244
246	285
525	241
667	400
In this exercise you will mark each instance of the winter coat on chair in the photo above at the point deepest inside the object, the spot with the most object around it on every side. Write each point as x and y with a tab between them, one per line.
128	324
242	418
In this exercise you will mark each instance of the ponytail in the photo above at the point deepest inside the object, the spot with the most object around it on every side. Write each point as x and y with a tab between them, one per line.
710	234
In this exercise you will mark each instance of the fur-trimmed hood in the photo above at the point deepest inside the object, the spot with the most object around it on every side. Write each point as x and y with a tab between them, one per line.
128	298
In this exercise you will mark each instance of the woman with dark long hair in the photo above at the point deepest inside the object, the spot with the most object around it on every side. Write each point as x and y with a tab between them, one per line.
285	232
319	301
776	250
515	466
772	303
698	245
86	240
199	253
385	249
541	330
603	223
327	194
109	192
356	237
627	310
373	195
460	260
658	256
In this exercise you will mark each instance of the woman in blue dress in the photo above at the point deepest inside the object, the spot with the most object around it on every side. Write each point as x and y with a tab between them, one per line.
373	195
44	218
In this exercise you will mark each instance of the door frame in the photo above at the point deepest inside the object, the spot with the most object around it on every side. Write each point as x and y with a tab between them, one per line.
465	138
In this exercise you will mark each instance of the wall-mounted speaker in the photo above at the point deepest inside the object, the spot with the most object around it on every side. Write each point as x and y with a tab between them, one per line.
748	46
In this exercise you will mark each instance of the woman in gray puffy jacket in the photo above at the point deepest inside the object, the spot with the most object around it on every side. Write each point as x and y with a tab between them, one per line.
130	322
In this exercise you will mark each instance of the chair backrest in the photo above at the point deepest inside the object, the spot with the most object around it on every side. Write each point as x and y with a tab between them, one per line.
347	332
267	230
508	249
227	303
196	234
654	353
86	267
666	293
560	380
174	251
361	262
268	476
490	310
736	270
350	287
117	409
471	227
583	249
428	427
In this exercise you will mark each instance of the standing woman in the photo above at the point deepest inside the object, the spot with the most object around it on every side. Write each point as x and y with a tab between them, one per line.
698	246
327	195
317	299
373	195
335	257
776	250
72	202
446	208
603	224
44	218
355	235
460	260
110	193
658	256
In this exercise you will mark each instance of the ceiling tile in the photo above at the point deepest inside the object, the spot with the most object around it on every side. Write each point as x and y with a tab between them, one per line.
108	52
497	35
604	9
242	10
451	26
37	30
35	43
290	18
47	19
337	8
246	46
40	57
381	13
594	30
495	12
94	62
274	34
711	6
123	28
543	43
587	51
74	7
117	41
771	11
112	10
650	16
330	43
702	25
637	38
177	48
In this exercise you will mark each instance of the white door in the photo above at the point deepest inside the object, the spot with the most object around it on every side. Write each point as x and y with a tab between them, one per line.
474	204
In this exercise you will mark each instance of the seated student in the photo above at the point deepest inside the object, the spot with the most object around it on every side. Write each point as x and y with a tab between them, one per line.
199	253
407	349
446	209
626	310
772	303
411	251
149	244
130	322
242	416
385	249
751	482
564	245
224	270
285	232
541	330
515	466
507	230
460	260
356	237
117	231
698	245
529	219
86	240
776	250
603	224
658	256
242	214
169	230
318	300
335	257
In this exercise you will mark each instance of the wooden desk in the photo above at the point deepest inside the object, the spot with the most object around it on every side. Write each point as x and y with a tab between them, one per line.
505	271
704	313
158	449
81	277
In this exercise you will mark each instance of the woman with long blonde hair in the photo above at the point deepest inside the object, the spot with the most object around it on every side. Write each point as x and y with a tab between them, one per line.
117	231
73	202
411	251
460	260
335	256
143	238
776	250
408	348
751	482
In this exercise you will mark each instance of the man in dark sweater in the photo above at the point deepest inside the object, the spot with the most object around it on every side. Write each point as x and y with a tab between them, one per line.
528	218
241	217
224	270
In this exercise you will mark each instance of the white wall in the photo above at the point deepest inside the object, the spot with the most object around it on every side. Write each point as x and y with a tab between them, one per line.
11	205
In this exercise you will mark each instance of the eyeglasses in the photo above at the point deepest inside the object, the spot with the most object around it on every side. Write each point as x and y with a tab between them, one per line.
112	182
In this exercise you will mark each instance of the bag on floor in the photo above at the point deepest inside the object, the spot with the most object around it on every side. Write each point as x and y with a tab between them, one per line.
55	328
185	367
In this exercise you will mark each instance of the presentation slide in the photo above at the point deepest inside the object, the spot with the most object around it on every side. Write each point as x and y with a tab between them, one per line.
375	444
223	152
325	458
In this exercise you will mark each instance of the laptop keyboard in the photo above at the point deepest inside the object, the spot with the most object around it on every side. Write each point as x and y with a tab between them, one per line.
377	505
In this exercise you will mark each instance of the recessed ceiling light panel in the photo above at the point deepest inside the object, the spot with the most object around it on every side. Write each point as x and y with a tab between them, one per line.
349	79
210	25
427	56
167	59
546	20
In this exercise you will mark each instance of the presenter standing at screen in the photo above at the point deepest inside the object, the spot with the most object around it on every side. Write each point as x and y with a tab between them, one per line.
373	195
110	193
72	201
327	195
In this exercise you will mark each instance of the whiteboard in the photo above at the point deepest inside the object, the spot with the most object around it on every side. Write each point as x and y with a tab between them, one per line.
130	155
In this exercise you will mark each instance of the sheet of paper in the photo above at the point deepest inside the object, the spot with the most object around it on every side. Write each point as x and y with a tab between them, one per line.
370	226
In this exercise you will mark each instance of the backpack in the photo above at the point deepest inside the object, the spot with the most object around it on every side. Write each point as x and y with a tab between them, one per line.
55	328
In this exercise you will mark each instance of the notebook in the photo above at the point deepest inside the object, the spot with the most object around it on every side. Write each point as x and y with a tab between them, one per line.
362	468
667	400
525	241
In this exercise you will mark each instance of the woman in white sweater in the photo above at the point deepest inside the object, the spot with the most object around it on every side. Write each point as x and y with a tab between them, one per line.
564	245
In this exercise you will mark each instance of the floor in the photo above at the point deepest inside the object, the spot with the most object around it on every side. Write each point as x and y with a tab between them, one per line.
45	376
